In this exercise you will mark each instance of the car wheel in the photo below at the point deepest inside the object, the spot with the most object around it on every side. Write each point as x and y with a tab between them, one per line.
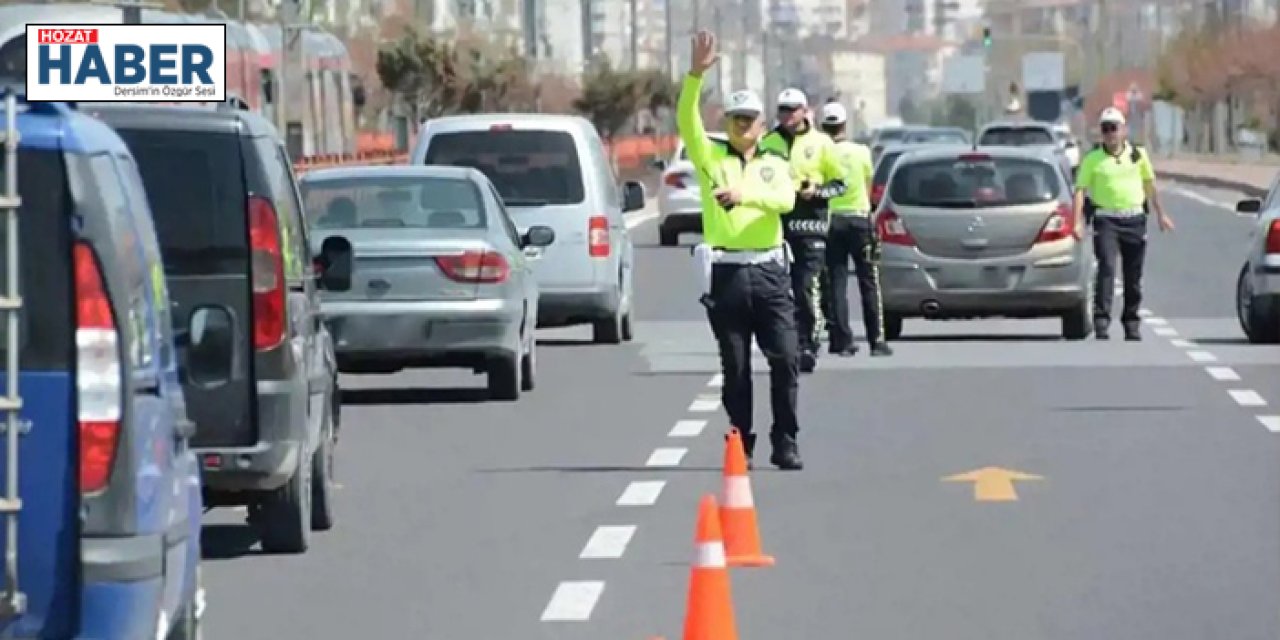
1259	315
628	330
504	378
668	238
607	331
529	367
285	514
1078	322
892	326
322	480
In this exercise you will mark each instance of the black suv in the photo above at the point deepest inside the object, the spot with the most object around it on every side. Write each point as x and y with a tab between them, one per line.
232	235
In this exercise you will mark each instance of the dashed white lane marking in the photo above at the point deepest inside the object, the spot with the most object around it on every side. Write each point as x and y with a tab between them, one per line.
608	542
573	601
1247	398
1165	332
1181	343
1225	374
1156	322
641	493
687	429
1202	356
705	404
666	457
716	380
1272	423
1145	313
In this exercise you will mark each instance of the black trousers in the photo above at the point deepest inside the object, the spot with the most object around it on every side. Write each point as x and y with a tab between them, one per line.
809	254
854	236
755	300
1128	238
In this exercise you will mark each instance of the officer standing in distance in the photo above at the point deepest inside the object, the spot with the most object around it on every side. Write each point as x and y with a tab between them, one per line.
1119	180
746	191
818	177
852	234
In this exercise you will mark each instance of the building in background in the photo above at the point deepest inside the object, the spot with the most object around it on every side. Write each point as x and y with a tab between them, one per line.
913	66
947	19
611	32
861	84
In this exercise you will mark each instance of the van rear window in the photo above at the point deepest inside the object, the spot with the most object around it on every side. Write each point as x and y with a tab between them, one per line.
195	185
44	262
529	168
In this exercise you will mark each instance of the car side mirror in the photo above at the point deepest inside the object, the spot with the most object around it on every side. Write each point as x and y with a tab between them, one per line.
538	236
1249	205
209	346
658	163
632	196
334	264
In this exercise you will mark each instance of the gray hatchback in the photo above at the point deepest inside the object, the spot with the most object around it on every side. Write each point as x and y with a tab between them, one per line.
982	233
440	276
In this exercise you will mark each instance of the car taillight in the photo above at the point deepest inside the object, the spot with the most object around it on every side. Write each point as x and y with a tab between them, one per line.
676	180
877	192
892	230
475	266
98	373
1273	237
267	275
1059	226
598	237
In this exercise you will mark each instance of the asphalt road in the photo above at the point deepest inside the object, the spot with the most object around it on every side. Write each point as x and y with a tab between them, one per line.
569	515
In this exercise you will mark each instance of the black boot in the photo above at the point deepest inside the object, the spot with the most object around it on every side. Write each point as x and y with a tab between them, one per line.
1100	329
1133	330
786	455
808	361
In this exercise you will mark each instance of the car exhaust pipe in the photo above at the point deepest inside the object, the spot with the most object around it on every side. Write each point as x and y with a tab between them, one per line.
931	308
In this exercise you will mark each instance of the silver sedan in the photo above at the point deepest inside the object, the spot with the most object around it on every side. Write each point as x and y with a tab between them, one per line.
1258	286
440	275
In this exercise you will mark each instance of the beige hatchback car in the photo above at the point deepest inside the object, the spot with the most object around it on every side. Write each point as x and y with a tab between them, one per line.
982	232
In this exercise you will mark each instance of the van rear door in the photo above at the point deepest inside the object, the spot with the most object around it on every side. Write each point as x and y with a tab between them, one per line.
538	173
195	184
48	466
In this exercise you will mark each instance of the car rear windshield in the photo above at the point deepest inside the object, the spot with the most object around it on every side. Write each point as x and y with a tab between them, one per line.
885	166
935	137
44	262
888	135
1015	137
393	202
971	182
195	185
529	168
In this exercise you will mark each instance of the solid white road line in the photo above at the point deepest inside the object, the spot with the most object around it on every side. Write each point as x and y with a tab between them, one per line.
705	404
573	601
641	493
608	542
1154	321
1182	343
666	457
1247	398
1272	423
1202	356
1165	332
717	380
1224	374
687	429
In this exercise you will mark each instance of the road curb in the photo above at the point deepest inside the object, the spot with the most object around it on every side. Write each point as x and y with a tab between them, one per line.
1215	183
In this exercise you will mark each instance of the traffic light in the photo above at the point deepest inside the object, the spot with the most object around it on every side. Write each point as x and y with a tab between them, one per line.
986	36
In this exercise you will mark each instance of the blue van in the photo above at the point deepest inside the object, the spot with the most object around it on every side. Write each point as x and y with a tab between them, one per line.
108	510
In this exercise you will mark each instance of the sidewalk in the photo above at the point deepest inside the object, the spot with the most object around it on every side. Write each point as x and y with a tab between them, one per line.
1251	177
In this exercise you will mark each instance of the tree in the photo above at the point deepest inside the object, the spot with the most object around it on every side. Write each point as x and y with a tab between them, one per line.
610	97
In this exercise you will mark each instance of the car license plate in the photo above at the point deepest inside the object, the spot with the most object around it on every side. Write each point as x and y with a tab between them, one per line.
972	277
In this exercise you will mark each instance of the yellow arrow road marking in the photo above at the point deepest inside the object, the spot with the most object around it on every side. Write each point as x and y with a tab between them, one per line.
993	484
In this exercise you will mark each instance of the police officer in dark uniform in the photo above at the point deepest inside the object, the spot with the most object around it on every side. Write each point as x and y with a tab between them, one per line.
746	191
818	177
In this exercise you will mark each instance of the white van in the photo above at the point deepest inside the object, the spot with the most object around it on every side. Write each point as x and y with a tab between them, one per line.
553	170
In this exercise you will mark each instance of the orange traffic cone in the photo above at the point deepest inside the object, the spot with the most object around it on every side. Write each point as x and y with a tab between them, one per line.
738	513
709	612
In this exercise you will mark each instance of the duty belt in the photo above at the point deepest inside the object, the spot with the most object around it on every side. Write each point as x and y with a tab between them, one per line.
748	256
850	212
1120	213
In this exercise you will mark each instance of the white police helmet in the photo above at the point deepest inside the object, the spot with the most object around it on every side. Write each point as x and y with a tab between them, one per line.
1111	115
793	99
743	103
834	113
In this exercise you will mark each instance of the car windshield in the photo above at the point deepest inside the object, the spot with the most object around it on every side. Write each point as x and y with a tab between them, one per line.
940	136
974	181
885	166
1015	137
888	135
413	202
529	168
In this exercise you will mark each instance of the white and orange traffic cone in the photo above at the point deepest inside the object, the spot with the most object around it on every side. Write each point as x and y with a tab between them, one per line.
709	611
738	512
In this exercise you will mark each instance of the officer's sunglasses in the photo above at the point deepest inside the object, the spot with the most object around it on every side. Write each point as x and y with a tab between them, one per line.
1110	127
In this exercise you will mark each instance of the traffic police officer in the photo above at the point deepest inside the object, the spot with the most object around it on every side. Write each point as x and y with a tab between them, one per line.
818	177
853	234
746	191
1119	180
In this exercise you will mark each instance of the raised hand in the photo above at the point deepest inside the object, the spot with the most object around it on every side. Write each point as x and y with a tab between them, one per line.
703	53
